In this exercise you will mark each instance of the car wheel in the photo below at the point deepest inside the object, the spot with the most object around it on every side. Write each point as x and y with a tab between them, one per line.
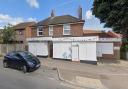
5	64
24	69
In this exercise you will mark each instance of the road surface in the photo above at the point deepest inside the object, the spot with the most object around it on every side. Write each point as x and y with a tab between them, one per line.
43	78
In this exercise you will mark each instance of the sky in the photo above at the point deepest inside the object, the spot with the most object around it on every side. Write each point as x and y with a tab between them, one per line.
16	11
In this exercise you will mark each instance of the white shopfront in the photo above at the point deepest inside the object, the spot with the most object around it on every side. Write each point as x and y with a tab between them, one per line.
75	48
106	46
39	46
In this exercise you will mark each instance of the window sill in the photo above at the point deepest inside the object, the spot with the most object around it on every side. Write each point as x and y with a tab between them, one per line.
40	36
66	34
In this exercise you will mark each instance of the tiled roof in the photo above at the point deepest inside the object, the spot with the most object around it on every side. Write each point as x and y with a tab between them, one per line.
59	20
24	25
101	33
92	32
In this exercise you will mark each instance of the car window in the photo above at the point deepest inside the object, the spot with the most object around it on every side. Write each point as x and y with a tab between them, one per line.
18	56
11	54
28	56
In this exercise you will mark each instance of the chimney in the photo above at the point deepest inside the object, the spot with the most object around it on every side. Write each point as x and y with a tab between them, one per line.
53	13
80	12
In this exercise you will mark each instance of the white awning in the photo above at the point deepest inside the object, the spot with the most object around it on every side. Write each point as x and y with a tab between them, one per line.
92	38
110	39
72	39
39	39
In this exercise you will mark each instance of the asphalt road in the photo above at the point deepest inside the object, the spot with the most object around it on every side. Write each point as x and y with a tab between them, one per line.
43	78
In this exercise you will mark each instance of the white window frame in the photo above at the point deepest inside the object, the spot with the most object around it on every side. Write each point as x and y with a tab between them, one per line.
38	31
50	30
20	32
68	28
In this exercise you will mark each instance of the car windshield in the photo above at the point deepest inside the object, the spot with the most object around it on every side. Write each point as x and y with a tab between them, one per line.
28	56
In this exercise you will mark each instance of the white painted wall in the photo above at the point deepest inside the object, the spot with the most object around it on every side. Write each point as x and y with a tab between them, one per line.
99	49
62	50
87	51
104	48
38	48
75	50
75	53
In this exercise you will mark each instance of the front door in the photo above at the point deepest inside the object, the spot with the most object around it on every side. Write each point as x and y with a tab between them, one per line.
75	53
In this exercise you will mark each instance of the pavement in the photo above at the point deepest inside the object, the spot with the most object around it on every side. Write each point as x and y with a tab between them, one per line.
90	76
43	78
116	63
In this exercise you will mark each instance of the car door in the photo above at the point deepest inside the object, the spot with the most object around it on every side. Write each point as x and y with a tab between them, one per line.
13	60
19	61
10	59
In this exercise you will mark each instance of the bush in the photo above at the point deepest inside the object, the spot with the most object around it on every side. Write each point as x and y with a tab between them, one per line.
1	55
124	48
123	51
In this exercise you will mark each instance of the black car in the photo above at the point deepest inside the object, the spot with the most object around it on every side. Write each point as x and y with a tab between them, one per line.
21	60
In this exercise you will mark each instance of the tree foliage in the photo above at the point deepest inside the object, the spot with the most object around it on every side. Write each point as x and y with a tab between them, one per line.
7	35
114	13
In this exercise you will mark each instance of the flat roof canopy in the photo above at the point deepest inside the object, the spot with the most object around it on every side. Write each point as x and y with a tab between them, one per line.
74	39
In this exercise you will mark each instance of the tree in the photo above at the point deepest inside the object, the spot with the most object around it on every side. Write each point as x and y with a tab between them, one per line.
114	13
8	34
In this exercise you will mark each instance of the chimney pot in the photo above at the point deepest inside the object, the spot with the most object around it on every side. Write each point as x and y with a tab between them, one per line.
80	12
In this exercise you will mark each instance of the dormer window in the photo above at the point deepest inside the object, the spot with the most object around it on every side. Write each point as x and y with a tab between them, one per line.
66	29
50	30
40	31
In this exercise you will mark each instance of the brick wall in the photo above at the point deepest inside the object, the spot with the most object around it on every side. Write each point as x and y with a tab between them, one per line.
28	32
33	32
76	30
58	31
46	31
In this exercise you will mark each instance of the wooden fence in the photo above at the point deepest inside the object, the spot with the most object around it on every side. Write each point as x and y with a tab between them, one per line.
5	48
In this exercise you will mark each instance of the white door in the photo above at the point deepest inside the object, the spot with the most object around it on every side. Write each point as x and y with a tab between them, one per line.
75	53
99	50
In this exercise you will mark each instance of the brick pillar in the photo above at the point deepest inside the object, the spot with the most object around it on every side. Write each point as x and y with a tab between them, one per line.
117	54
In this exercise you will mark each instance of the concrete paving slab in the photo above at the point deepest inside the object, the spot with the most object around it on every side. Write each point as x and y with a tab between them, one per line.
90	82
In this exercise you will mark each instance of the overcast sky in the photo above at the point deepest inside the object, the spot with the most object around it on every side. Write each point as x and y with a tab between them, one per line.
16	11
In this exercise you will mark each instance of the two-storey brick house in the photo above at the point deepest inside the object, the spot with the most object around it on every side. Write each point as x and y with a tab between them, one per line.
63	37
23	31
61	26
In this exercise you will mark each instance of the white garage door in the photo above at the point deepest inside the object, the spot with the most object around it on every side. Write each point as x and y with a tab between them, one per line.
32	48
104	48
62	50
87	51
38	48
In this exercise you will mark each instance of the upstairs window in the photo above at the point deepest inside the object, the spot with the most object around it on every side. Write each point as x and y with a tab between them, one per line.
40	31
66	29
20	32
50	30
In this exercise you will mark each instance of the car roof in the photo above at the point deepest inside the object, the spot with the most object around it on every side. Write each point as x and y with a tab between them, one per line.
17	52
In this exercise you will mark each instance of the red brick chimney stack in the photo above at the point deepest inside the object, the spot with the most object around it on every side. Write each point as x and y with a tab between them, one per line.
80	12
